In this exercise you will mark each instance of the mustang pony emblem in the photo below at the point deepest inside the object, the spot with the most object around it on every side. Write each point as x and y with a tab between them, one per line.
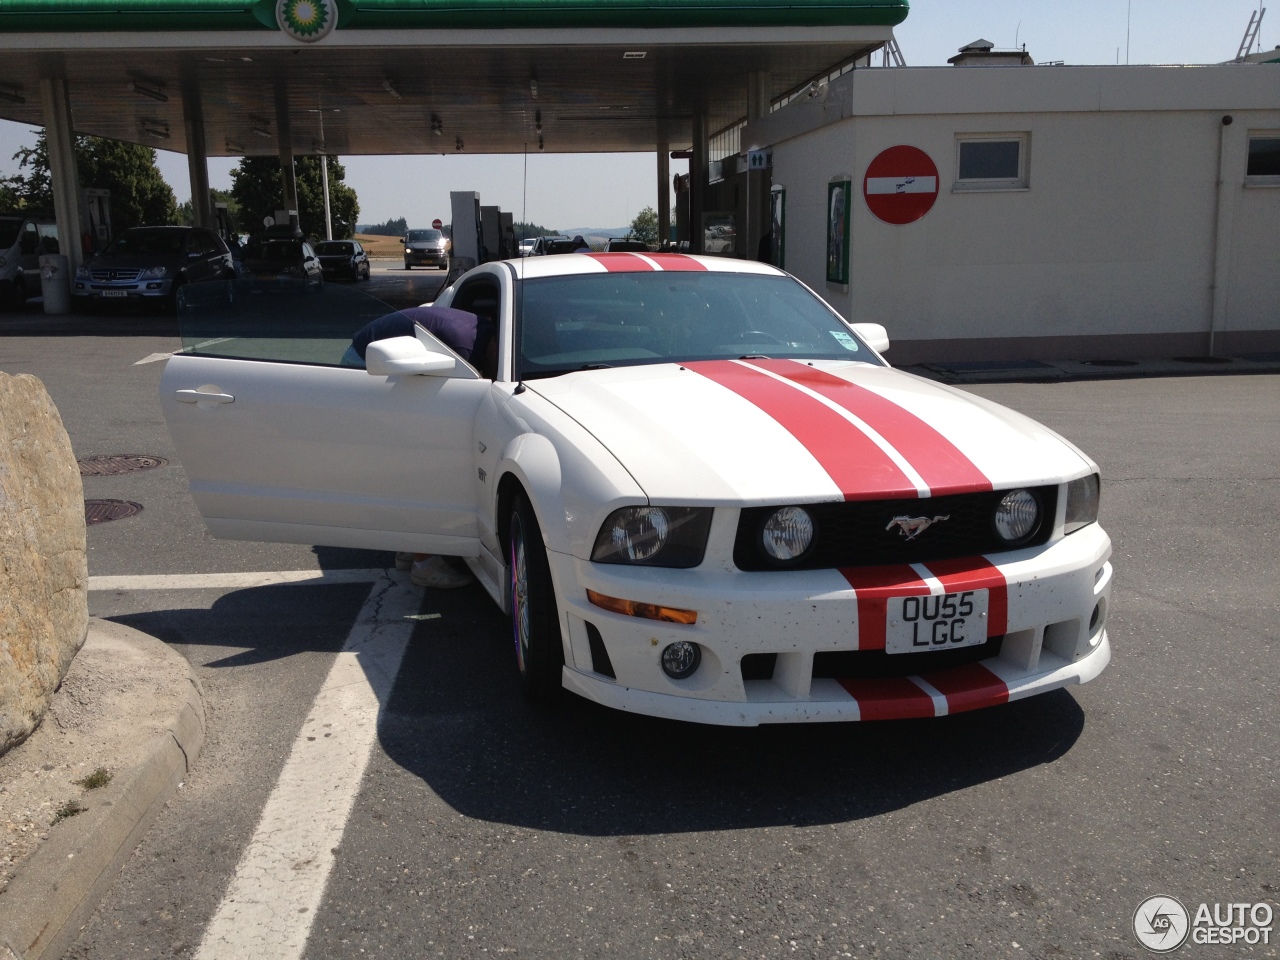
912	527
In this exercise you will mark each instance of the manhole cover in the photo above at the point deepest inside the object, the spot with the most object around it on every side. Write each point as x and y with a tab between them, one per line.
114	464
100	511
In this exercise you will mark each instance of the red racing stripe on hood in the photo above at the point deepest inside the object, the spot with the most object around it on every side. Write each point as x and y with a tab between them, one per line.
622	262
675	261
942	465
873	587
859	468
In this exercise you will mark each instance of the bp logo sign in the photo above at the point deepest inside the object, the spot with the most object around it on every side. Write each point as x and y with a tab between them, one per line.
307	20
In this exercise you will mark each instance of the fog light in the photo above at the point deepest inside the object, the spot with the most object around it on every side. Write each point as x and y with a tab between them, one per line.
153	286
680	659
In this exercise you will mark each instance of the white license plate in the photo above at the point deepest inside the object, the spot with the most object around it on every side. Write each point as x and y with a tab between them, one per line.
943	622
115	293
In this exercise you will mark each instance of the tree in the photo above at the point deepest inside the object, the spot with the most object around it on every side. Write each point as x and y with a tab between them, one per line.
257	187
645	226
186	214
392	228
139	195
525	231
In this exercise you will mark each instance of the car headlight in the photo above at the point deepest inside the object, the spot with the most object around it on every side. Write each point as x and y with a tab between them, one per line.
1017	516
654	536
82	272
787	534
1082	502
153	273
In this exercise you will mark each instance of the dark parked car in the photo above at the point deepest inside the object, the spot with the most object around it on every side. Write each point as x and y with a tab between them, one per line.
151	264
343	258
283	260
626	246
22	241
546	246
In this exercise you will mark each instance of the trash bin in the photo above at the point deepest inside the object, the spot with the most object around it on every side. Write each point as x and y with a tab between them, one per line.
55	283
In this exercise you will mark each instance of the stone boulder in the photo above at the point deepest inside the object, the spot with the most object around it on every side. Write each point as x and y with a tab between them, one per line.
44	577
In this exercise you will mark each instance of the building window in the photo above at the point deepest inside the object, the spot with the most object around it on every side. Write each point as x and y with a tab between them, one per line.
1263	169
994	162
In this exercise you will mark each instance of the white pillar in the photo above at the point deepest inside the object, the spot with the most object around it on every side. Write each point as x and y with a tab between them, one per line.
664	191
698	172
62	166
197	156
324	180
284	144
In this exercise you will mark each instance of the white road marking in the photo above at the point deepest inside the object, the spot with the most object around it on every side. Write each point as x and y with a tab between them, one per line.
232	581
152	358
268	909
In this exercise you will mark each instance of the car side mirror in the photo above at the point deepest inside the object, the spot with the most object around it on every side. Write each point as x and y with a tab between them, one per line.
876	336
399	356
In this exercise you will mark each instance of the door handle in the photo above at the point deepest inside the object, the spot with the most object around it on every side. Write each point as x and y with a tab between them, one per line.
199	396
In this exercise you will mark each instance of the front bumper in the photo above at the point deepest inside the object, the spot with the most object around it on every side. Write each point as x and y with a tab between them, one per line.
434	257
1048	609
122	290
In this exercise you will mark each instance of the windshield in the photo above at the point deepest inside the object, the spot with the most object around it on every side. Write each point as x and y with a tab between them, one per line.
335	248
626	319
423	236
8	233
280	250
149	242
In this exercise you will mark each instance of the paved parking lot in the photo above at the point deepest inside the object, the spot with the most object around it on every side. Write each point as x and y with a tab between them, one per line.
482	826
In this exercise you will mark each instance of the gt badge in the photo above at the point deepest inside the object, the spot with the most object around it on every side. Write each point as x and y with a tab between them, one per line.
912	527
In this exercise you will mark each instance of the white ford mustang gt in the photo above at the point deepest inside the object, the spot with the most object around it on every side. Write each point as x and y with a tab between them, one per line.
698	492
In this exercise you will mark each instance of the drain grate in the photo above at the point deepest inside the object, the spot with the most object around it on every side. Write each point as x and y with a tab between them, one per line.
100	511
114	464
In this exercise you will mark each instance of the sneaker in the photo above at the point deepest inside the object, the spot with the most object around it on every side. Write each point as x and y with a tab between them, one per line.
404	560
436	572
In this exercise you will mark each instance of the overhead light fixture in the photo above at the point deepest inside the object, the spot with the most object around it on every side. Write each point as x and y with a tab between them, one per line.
634	54
10	94
235	148
261	131
457	144
390	87
533	87
153	92
437	125
156	128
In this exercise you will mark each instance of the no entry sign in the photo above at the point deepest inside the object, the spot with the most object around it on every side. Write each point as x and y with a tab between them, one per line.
436	224
901	185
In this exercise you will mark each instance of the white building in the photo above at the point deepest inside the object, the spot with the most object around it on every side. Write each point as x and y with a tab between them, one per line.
1080	211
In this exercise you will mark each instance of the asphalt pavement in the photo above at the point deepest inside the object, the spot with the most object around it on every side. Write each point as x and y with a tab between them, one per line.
482	826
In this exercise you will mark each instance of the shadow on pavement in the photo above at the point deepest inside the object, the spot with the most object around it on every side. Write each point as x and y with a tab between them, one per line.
456	720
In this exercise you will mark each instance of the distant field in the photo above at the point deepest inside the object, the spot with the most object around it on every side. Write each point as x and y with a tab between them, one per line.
390	248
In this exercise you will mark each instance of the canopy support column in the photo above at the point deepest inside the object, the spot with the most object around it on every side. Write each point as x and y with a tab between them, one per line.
197	156
664	192
698	172
61	140
284	134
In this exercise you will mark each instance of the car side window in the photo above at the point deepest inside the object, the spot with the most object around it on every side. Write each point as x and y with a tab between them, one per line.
30	242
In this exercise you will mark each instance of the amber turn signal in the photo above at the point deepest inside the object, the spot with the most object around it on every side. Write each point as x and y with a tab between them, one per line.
649	611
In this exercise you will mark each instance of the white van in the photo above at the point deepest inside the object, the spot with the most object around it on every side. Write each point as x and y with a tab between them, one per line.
22	241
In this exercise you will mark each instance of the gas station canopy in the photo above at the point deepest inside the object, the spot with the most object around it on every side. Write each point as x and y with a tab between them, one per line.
423	76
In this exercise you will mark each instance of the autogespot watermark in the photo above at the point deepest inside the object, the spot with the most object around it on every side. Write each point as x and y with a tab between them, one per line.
1162	924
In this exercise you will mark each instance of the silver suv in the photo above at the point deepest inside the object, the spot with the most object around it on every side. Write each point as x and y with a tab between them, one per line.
426	247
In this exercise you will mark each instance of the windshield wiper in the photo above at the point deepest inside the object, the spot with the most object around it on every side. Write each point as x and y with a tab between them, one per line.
755	356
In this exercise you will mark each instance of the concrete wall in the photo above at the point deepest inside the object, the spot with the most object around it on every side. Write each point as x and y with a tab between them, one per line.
1110	250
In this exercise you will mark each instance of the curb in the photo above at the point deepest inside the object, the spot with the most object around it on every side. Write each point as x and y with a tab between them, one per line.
63	881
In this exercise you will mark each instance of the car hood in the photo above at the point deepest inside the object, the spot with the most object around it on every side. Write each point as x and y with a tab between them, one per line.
135	260
777	431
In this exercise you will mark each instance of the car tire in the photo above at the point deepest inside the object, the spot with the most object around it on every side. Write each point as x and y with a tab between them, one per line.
171	301
535	620
365	275
408	265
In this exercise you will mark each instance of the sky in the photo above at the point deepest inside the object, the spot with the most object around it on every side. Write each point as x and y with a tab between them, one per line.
608	190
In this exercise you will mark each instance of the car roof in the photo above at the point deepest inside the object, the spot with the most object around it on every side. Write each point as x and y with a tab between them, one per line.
570	264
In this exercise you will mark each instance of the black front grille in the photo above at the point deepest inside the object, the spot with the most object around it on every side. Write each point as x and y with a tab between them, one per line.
860	534
877	664
109	276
